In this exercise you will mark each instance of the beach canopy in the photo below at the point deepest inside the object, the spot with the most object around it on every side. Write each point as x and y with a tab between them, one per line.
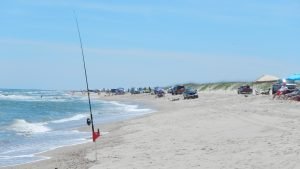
267	78
294	77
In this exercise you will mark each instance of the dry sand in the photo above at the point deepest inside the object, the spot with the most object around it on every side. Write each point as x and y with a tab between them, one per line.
218	130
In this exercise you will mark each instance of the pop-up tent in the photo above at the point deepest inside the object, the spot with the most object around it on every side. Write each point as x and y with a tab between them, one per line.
294	77
266	78
263	84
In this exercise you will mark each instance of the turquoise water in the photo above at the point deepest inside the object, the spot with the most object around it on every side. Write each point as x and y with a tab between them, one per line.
34	121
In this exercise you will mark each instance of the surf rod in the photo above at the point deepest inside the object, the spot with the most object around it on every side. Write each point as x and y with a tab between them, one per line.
89	121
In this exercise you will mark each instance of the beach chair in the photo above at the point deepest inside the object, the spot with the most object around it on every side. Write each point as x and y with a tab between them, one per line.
267	92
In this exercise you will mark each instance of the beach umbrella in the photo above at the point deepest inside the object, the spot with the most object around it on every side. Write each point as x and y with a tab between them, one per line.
294	77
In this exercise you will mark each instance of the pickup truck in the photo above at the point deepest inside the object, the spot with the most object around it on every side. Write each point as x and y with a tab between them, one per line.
245	89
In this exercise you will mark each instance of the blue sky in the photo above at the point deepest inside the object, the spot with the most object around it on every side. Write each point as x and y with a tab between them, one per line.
141	43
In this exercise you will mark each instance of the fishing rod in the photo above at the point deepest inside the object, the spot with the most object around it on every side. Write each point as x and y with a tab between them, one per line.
90	120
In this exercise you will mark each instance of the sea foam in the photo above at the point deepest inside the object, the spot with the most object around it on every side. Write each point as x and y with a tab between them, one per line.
21	126
32	98
129	107
15	97
76	117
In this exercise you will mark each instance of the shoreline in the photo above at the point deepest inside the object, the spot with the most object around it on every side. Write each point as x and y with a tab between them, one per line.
50	154
214	131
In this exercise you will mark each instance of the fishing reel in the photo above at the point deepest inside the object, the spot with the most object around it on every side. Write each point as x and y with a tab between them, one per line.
88	121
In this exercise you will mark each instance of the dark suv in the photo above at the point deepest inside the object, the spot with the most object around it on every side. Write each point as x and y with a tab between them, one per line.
120	91
290	84
245	90
190	93
178	89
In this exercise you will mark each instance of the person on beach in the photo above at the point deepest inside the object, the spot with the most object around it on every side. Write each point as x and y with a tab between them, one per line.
283	89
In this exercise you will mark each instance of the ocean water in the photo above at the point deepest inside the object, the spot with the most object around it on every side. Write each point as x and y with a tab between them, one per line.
35	121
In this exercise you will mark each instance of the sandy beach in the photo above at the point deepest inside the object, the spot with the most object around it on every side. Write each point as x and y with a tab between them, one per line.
217	130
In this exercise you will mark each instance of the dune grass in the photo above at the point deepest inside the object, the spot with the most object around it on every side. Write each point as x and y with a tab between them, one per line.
220	86
228	86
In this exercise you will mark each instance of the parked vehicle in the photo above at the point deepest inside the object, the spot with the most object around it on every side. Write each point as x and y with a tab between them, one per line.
147	90
169	90
160	92
156	89
120	91
94	91
190	93
134	91
178	89
246	89
290	84
113	91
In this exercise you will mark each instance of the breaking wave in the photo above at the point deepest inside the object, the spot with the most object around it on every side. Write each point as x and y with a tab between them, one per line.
32	98
15	97
76	117
129	108
21	126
